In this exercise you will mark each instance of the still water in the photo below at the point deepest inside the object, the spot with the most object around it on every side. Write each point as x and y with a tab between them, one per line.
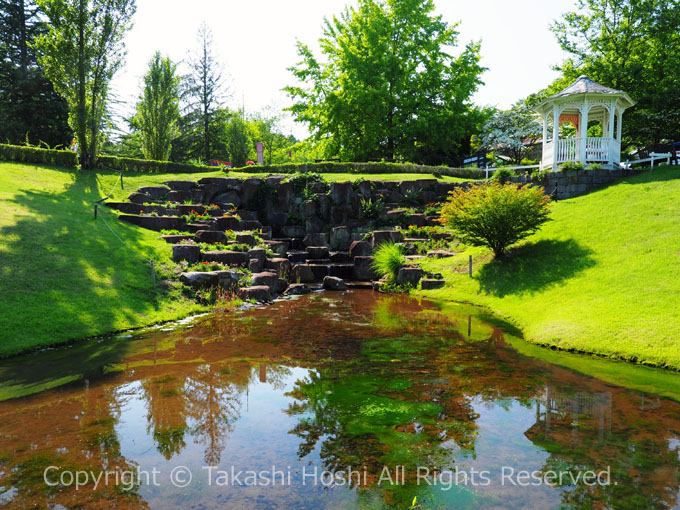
334	401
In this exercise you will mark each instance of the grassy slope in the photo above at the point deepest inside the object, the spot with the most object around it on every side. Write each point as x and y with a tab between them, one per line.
62	274
603	277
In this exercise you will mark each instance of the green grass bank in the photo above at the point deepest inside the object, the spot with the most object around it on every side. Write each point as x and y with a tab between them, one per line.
66	276
603	277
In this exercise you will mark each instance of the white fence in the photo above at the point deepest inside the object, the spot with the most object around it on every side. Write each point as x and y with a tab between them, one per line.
651	159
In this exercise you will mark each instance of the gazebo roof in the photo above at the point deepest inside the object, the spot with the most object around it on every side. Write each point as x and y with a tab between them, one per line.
585	86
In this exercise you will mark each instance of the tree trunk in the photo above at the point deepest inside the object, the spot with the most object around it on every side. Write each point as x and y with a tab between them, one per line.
81	134
23	39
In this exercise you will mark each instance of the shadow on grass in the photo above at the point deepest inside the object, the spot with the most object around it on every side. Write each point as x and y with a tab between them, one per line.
535	266
66	276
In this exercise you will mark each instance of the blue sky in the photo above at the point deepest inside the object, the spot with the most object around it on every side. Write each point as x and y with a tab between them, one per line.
255	41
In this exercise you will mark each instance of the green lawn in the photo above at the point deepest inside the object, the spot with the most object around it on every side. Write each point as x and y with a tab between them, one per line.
64	275
603	277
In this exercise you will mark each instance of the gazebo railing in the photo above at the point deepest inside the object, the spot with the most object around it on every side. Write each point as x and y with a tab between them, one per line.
569	149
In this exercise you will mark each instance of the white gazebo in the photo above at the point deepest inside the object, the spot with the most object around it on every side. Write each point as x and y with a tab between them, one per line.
582	103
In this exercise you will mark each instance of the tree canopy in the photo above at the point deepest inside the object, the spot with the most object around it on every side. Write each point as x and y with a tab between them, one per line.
80	53
388	85
631	45
158	108
30	109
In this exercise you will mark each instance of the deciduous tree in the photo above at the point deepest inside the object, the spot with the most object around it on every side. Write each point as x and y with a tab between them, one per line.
388	85
81	51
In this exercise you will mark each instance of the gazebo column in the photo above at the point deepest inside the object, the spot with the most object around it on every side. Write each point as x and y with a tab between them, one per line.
556	135
583	131
619	119
610	130
545	140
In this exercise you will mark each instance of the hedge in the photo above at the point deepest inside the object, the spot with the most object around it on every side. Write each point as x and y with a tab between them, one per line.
364	168
150	166
25	154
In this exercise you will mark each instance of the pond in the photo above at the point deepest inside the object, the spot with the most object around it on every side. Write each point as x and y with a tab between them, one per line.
335	401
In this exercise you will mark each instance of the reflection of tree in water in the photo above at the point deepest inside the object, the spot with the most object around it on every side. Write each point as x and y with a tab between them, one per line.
166	413
587	432
210	395
213	403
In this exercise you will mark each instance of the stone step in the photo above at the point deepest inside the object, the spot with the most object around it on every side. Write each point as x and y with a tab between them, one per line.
211	237
280	247
156	223
297	257
318	252
429	284
308	273
138	209
294	243
340	257
176	238
195	227
344	271
359	285
244	225
230	258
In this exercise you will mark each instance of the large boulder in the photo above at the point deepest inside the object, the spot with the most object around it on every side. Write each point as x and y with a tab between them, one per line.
189	252
155	192
248	239
207	279
314	225
316	239
271	280
231	258
227	199
227	223
382	236
293	231
340	238
244	225
317	252
198	280
360	249
429	284
249	188
341	192
410	276
259	293
297	289
308	273
308	209
280	266
211	236
333	283
258	259
363	270
156	223
181	185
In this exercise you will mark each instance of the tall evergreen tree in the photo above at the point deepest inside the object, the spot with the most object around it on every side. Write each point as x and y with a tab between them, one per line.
204	95
29	107
158	108
80	53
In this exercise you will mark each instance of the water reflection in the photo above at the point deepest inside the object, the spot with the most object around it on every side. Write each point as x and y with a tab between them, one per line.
335	383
